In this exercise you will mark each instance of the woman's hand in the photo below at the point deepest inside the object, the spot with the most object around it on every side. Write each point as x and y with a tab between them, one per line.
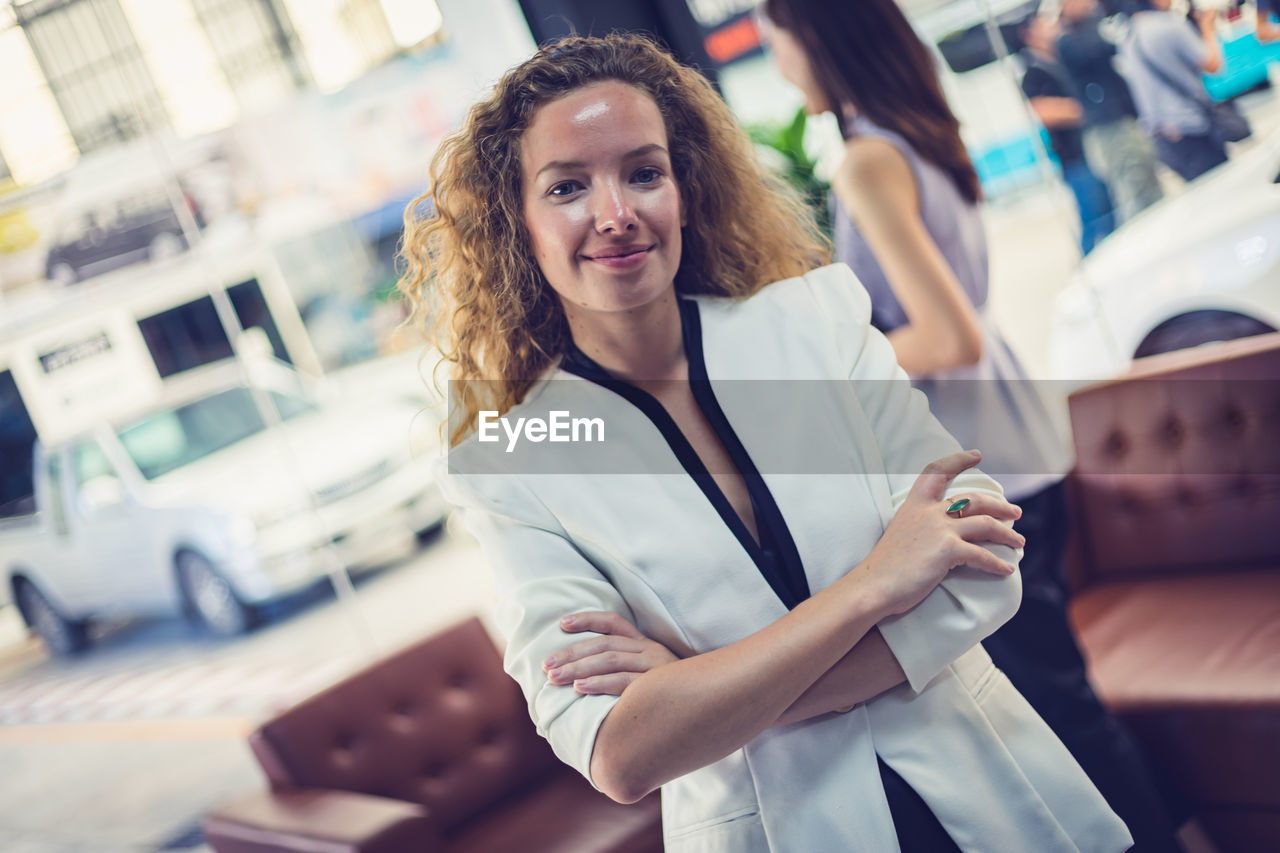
608	663
923	543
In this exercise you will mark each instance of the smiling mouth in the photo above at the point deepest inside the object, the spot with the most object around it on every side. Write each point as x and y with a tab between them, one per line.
621	256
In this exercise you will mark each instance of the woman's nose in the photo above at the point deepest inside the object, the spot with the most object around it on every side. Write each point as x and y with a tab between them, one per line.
614	212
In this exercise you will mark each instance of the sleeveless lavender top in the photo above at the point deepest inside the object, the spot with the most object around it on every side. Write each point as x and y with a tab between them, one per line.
1019	429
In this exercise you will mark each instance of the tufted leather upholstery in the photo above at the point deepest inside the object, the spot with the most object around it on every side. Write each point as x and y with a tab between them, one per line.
1181	448
1176	571
440	725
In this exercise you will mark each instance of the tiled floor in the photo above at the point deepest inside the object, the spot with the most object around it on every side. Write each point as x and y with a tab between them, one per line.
134	772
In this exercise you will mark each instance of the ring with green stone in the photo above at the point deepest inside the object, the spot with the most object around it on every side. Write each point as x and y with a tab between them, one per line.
956	510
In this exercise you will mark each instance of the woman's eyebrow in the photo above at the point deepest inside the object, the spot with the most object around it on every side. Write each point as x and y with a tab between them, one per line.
577	164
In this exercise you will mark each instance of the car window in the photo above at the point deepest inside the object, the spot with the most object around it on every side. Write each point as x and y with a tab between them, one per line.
291	405
57	506
168	440
89	462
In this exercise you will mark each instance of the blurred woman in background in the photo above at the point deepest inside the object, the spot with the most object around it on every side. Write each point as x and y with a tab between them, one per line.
907	220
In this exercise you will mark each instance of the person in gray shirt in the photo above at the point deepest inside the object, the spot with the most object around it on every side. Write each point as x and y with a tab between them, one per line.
1117	148
1163	61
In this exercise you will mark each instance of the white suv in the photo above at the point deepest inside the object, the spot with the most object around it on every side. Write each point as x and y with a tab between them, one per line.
197	506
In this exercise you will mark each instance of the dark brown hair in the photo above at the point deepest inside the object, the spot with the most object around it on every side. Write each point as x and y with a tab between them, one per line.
472	273
864	52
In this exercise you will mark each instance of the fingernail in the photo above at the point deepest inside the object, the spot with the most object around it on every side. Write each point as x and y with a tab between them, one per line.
548	663
1017	509
975	452
554	674
567	621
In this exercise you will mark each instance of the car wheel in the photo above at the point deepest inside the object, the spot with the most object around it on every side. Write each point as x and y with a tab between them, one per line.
209	596
62	636
63	274
164	245
1199	327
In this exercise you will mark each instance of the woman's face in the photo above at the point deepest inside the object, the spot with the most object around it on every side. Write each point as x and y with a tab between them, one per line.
793	63
600	200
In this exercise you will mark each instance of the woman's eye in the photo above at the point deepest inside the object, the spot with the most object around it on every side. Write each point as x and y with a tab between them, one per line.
564	188
647	175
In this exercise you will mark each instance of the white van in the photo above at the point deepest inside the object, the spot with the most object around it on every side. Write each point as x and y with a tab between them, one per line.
195	506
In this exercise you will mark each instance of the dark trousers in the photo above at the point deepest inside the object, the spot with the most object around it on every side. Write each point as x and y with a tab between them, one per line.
1038	651
1191	156
1097	218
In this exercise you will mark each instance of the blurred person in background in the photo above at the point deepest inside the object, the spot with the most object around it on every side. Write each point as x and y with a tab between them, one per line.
1267	29
1164	58
1116	147
601	220
908	222
1056	102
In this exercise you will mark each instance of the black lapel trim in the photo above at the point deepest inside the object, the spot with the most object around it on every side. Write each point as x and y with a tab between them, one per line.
786	577
769	518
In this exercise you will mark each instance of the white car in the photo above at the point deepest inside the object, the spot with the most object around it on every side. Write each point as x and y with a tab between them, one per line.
1202	266
195	506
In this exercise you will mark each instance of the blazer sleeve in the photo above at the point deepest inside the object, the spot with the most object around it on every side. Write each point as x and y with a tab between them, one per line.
968	605
540	577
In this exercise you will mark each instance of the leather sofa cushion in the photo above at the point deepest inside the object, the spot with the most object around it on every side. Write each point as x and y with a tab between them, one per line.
438	723
321	822
565	815
1178	466
1193	665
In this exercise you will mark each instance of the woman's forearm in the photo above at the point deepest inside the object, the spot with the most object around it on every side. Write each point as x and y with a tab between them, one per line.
690	713
868	670
1212	62
921	353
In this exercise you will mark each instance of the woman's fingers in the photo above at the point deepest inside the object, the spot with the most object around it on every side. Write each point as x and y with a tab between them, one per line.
933	480
603	663
981	504
600	622
593	647
612	684
984	528
977	557
620	650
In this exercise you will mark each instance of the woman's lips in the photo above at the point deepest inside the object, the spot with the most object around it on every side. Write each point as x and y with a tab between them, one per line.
631	259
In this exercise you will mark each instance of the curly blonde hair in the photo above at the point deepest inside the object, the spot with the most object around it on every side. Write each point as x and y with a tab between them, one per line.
471	274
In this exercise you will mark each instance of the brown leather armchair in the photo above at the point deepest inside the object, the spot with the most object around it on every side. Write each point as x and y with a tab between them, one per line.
1176	571
430	749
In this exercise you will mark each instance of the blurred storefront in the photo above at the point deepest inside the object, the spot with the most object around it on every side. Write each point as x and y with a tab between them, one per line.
179	172
294	133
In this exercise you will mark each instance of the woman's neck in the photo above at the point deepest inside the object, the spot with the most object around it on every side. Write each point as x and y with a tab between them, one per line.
643	344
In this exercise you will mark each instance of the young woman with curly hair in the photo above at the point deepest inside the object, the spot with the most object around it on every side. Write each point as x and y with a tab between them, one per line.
469	266
603	241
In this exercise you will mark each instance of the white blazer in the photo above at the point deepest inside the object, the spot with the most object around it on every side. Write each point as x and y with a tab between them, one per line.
565	531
